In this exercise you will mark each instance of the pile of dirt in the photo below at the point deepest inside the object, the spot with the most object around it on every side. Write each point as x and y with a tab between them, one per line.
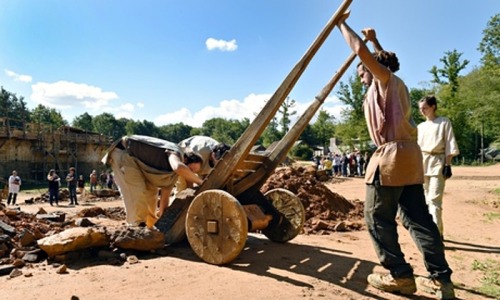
326	211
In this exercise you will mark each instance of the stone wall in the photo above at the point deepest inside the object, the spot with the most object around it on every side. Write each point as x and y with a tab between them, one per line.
32	151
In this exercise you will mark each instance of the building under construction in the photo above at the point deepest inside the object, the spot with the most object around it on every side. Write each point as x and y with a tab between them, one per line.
33	149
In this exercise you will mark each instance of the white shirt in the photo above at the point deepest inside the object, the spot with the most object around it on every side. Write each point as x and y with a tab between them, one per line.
13	187
436	140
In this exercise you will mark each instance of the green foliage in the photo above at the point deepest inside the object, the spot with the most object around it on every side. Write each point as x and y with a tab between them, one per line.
490	44
176	132
286	111
308	136
141	128
222	130
49	116
301	151
324	127
12	106
353	95
106	124
448	74
271	133
491	277
352	131
83	121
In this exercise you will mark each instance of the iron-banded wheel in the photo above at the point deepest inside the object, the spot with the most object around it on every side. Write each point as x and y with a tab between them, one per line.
289	205
216	226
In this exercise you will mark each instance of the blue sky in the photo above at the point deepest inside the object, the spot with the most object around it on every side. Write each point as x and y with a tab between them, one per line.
188	61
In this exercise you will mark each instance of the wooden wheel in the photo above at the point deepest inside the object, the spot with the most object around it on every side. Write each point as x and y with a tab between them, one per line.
216	226
289	205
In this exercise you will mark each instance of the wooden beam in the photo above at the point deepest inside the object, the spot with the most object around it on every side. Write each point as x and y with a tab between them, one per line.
222	171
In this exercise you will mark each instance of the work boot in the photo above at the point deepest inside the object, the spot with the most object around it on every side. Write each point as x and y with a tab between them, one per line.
442	290
387	283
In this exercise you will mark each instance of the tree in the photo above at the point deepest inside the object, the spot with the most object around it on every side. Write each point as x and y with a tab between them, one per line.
490	44
83	121
451	68
271	133
13	107
48	116
308	136
286	111
324	128
352	128
480	94
222	130
106	124
175	132
141	128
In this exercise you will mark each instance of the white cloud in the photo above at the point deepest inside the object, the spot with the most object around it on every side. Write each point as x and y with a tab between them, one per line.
222	45
236	109
66	95
18	77
227	109
140	104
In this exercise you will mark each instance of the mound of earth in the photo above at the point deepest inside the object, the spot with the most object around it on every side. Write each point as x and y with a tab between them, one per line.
325	210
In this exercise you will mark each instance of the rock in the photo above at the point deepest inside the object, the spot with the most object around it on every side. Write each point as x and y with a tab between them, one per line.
138	238
15	273
6	228
132	259
6	269
52	217
41	211
84	222
18	263
63	269
27	238
341	226
72	239
31	257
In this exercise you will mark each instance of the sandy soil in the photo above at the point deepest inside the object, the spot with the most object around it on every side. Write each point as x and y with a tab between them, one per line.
331	266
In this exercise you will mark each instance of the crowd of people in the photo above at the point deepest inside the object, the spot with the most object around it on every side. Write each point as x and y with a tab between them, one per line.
347	164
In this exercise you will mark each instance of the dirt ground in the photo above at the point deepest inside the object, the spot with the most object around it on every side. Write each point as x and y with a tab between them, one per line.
330	266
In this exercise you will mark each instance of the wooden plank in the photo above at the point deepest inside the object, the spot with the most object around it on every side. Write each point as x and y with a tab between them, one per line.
223	170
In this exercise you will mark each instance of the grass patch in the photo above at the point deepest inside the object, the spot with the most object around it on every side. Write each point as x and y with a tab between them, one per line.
491	277
492	216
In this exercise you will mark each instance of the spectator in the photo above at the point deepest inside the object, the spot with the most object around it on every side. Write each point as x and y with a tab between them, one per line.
14	186
71	180
103	179
54	183
110	181
327	166
93	181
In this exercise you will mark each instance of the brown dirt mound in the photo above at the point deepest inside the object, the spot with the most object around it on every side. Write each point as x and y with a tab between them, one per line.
325	210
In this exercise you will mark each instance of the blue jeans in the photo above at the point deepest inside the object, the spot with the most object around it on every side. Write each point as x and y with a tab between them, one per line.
72	194
381	208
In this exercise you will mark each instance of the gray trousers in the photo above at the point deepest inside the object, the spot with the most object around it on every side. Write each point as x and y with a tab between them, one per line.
381	207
